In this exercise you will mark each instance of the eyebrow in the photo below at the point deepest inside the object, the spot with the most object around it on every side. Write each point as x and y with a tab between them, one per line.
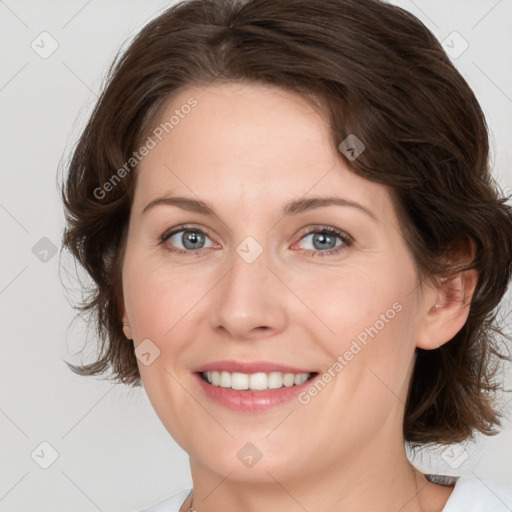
292	208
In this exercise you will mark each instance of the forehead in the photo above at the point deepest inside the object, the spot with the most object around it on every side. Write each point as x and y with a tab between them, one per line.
250	144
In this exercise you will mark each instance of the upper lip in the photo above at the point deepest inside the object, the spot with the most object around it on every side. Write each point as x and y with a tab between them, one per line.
249	367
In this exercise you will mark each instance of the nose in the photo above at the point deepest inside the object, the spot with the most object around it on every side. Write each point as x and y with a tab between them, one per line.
250	301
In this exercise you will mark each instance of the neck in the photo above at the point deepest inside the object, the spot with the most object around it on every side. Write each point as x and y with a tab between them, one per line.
365	482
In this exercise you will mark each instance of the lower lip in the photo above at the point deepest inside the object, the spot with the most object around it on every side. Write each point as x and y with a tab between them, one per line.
251	401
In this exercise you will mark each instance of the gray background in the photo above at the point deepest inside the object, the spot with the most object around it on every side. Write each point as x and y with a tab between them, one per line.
113	452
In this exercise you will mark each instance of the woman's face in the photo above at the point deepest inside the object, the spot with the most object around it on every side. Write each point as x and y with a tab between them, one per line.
266	280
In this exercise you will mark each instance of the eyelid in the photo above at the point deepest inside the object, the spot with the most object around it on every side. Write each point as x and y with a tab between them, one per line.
318	228
347	240
183	227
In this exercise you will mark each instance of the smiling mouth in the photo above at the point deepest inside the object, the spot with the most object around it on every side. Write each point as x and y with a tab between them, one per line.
255	381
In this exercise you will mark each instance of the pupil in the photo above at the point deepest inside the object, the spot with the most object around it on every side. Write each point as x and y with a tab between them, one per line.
190	239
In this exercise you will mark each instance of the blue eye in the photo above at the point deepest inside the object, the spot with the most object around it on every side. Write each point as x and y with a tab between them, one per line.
325	243
191	240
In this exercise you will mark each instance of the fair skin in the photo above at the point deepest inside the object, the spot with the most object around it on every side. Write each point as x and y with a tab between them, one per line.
247	150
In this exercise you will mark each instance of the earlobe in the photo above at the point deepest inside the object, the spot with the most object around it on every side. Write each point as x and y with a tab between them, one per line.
126	328
448	311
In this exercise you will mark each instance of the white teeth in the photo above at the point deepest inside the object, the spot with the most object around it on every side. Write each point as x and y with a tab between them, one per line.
255	381
275	380
289	379
258	381
239	381
299	379
225	380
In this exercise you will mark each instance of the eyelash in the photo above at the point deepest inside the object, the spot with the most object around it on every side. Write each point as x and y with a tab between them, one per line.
329	230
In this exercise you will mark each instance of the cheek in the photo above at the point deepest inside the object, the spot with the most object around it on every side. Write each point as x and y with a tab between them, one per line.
146	303
371	318
357	305
157	298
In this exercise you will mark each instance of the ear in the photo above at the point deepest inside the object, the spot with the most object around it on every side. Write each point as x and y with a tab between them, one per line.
447	306
127	327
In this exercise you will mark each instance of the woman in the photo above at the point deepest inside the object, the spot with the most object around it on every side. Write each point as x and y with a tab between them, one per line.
298	249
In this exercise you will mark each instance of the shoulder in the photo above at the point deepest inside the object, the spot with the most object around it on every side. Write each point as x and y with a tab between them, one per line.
171	504
472	494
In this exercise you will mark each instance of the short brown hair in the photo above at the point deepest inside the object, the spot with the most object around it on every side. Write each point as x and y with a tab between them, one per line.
377	72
